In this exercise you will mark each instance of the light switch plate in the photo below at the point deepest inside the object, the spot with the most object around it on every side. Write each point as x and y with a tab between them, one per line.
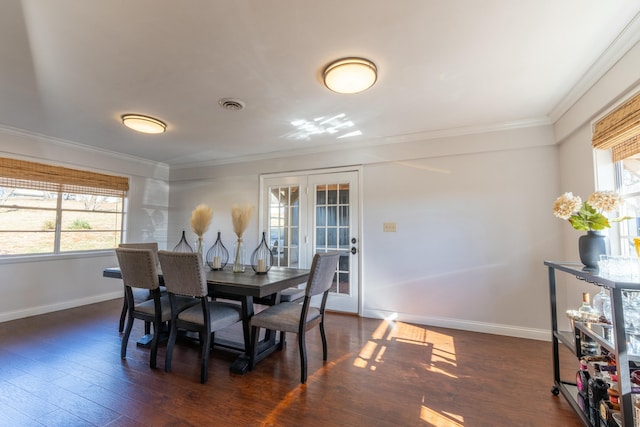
389	227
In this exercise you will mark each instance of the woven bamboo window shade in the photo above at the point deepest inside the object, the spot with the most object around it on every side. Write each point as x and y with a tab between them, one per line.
38	176
620	130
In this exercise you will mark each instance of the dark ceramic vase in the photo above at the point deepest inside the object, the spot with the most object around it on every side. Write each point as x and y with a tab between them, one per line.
590	247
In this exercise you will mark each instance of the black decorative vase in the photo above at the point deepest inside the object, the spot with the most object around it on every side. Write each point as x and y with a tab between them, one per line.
218	255
590	247
262	257
182	245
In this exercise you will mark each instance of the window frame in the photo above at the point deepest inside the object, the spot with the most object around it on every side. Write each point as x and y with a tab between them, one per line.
625	235
61	231
60	182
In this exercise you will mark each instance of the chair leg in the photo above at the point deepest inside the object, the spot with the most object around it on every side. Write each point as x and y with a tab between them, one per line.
123	316
173	334
204	363
147	328
324	340
303	357
157	326
283	340
125	338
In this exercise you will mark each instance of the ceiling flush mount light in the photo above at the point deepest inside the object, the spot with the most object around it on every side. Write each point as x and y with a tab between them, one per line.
144	124
350	75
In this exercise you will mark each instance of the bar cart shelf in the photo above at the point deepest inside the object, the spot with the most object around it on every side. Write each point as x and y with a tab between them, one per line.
612	338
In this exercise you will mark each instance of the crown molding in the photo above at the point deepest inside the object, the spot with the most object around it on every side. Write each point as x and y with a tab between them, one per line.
76	146
467	130
362	143
627	39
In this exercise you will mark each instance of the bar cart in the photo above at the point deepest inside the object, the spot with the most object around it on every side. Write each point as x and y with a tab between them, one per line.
612	338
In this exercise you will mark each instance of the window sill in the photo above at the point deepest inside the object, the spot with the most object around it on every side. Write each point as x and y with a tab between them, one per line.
16	259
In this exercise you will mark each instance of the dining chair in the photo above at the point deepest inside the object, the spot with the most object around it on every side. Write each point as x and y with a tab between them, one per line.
184	275
292	294
139	295
300	317
139	271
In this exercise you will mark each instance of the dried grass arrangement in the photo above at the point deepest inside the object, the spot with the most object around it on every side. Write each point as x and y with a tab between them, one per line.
240	215
200	220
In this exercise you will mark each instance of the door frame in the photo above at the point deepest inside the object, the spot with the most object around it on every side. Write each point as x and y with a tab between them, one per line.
360	245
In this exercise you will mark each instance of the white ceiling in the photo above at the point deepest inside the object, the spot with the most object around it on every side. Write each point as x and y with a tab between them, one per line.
70	68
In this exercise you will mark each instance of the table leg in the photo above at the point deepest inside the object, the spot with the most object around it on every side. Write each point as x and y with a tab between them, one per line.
145	340
241	364
265	347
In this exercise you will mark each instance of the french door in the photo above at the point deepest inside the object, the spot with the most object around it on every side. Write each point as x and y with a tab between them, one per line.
314	212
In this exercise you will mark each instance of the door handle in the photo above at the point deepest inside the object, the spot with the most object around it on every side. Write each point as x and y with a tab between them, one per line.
353	250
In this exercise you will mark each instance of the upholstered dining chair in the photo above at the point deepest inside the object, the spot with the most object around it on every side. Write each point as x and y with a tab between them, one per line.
300	317
139	271
184	275
139	295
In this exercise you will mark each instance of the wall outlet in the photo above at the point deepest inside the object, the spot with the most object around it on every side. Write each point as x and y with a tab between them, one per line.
389	227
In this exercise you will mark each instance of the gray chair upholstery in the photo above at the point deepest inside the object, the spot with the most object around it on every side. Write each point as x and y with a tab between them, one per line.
291	294
146	245
184	275
139	295
299	318
139	271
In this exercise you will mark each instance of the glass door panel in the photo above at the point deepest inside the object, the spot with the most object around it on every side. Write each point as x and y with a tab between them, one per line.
335	207
305	214
283	219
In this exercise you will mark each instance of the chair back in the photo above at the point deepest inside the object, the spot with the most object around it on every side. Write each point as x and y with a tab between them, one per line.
183	273
323	269
138	268
149	245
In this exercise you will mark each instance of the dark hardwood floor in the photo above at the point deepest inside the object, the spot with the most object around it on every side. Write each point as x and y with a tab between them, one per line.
64	369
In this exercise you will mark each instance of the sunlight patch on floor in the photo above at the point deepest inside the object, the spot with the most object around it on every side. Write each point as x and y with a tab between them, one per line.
437	419
443	351
441	360
368	353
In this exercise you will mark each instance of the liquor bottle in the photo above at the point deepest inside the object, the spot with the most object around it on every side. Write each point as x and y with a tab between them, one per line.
586	308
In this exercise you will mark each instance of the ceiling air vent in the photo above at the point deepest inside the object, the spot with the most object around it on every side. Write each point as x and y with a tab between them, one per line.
231	104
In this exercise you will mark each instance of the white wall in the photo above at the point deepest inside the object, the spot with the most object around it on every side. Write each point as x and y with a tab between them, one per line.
219	193
473	215
473	232
40	284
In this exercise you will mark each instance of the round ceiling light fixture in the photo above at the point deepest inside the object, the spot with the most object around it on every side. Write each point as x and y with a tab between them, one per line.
144	124
350	75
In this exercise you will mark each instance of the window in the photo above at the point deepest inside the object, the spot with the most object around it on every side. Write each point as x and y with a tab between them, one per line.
619	132
48	209
628	186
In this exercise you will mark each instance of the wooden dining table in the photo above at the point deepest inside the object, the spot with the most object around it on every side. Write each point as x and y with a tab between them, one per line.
248	288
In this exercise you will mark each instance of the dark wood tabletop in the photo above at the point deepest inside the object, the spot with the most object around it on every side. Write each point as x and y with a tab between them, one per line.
255	285
247	283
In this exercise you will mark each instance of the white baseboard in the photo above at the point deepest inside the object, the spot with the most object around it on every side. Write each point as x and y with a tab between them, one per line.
465	325
42	309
